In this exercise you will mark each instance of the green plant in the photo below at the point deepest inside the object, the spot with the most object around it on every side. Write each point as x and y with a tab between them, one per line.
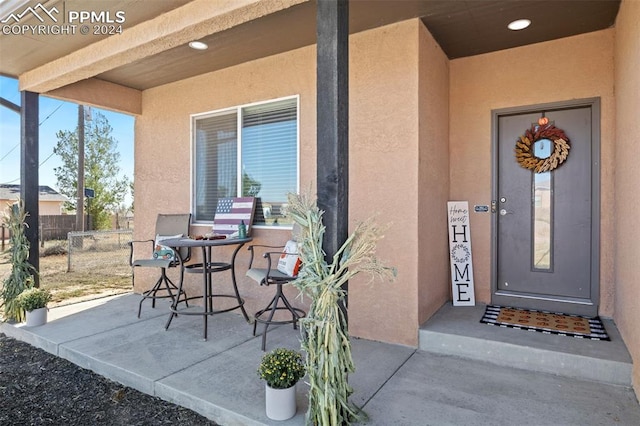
21	276
324	329
33	298
281	368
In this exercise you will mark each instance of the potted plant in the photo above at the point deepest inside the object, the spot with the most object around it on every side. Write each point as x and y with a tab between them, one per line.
281	369
34	301
325	334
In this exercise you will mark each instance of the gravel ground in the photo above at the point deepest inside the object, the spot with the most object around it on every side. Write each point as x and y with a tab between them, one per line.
37	388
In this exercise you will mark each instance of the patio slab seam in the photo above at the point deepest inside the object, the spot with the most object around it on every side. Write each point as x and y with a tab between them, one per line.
109	370
207	358
389	378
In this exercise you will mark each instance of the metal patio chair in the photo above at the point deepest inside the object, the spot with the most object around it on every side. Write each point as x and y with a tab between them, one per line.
161	257
271	275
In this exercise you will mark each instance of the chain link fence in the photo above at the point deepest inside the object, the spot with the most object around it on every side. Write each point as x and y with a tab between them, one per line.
101	252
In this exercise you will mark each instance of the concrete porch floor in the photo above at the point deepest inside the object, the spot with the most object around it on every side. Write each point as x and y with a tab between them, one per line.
397	385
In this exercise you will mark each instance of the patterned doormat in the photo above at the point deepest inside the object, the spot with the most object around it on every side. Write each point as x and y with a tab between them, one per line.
546	322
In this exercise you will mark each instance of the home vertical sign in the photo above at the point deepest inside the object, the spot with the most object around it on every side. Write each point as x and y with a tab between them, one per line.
460	254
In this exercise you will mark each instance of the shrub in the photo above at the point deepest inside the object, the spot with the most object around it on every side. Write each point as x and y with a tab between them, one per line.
55	250
281	368
34	298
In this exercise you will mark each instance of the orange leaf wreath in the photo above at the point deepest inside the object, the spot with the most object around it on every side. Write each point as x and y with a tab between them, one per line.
524	148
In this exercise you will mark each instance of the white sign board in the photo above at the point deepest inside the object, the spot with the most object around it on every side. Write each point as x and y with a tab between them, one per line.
460	254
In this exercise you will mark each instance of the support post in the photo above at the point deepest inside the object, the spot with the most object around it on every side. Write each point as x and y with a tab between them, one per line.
29	188
80	188
333	121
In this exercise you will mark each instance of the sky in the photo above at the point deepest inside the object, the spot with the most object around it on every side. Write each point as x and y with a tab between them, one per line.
55	115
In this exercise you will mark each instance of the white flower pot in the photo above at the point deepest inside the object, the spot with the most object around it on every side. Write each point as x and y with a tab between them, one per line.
37	317
280	403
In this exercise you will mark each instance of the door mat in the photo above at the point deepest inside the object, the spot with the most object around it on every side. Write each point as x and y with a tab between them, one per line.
546	322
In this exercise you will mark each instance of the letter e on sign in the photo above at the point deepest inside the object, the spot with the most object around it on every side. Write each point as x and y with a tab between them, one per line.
460	254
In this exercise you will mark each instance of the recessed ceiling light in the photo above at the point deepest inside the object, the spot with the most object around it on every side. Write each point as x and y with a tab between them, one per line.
198	45
519	24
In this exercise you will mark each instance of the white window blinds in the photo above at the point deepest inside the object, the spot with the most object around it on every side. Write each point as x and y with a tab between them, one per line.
266	145
215	154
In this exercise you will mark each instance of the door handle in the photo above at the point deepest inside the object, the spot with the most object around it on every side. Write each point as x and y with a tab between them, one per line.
504	212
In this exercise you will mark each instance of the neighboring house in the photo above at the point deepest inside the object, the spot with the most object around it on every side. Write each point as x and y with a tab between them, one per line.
439	92
50	201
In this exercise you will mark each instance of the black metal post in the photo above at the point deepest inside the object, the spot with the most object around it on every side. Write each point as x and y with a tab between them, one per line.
333	121
80	188
29	188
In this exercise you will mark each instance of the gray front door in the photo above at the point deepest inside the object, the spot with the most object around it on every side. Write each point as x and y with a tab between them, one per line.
546	230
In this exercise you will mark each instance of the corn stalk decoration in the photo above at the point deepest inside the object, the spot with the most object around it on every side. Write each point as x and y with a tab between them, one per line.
21	277
325	336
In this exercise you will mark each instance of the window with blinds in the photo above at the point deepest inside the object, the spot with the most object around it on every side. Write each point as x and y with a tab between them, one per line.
247	151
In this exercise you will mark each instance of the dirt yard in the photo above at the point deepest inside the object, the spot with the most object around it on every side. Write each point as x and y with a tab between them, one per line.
97	276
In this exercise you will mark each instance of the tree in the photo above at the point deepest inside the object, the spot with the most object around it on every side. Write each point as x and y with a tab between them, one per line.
131	188
101	169
250	186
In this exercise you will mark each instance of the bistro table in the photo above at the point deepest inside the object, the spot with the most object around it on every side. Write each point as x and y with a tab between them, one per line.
207	268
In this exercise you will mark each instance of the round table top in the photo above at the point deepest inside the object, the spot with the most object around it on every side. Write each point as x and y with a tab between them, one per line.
192	242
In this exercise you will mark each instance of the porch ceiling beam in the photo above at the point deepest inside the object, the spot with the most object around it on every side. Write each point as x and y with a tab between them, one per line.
102	94
8	104
190	22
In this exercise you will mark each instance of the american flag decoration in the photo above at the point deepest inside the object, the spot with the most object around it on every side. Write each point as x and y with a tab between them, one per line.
230	212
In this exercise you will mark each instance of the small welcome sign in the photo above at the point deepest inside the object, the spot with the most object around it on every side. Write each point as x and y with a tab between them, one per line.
460	254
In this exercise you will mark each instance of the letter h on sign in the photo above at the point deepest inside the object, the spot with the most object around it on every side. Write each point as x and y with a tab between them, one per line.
456	233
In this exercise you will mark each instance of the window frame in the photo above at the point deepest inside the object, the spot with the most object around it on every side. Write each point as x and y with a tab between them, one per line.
239	111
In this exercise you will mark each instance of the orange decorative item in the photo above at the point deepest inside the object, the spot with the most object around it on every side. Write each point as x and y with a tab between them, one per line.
543	120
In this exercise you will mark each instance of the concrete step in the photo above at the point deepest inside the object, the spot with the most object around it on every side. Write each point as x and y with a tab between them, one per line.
457	331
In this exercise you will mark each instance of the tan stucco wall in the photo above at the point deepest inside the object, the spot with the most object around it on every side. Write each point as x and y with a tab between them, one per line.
570	68
433	179
383	153
627	178
383	120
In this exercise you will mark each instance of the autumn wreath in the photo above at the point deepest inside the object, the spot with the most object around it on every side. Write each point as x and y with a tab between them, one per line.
524	148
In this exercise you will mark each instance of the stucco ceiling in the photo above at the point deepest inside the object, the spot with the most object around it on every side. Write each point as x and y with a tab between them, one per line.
461	27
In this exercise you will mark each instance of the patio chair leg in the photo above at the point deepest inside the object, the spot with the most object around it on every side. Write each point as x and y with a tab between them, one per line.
179	291
150	294
268	322
296	314
164	283
166	327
